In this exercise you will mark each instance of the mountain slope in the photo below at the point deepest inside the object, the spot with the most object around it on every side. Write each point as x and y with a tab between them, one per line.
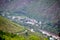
7	25
13	31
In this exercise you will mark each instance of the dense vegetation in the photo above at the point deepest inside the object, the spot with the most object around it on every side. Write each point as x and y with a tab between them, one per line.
10	36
